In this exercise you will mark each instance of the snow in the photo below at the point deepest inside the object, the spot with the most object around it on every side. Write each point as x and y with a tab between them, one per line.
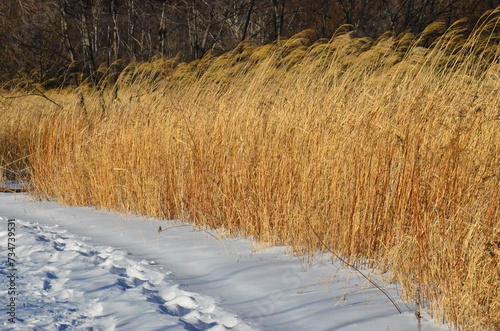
79	268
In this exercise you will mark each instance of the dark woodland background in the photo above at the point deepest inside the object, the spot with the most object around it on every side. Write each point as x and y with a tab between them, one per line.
50	40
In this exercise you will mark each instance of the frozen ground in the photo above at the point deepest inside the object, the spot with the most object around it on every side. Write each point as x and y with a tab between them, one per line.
82	269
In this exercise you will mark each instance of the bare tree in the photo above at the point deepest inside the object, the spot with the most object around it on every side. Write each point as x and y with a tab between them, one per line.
52	39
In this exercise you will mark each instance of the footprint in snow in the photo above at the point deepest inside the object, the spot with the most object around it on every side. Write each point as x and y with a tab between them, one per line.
66	284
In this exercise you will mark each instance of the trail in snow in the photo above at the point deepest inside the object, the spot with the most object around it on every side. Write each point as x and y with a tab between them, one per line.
84	269
64	283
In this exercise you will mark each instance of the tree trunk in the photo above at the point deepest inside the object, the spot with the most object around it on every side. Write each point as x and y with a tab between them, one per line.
247	20
162	32
115	39
88	54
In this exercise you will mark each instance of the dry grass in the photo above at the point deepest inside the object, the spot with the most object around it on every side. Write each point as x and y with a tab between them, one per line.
387	149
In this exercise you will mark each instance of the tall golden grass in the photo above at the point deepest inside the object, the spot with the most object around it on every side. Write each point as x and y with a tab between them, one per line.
383	150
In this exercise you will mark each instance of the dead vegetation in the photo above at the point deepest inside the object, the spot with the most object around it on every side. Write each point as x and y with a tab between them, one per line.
384	150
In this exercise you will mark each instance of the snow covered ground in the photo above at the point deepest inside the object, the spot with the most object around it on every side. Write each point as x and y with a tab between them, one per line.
82	269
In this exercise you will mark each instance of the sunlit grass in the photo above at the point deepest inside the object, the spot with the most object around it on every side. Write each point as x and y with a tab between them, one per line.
384	150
